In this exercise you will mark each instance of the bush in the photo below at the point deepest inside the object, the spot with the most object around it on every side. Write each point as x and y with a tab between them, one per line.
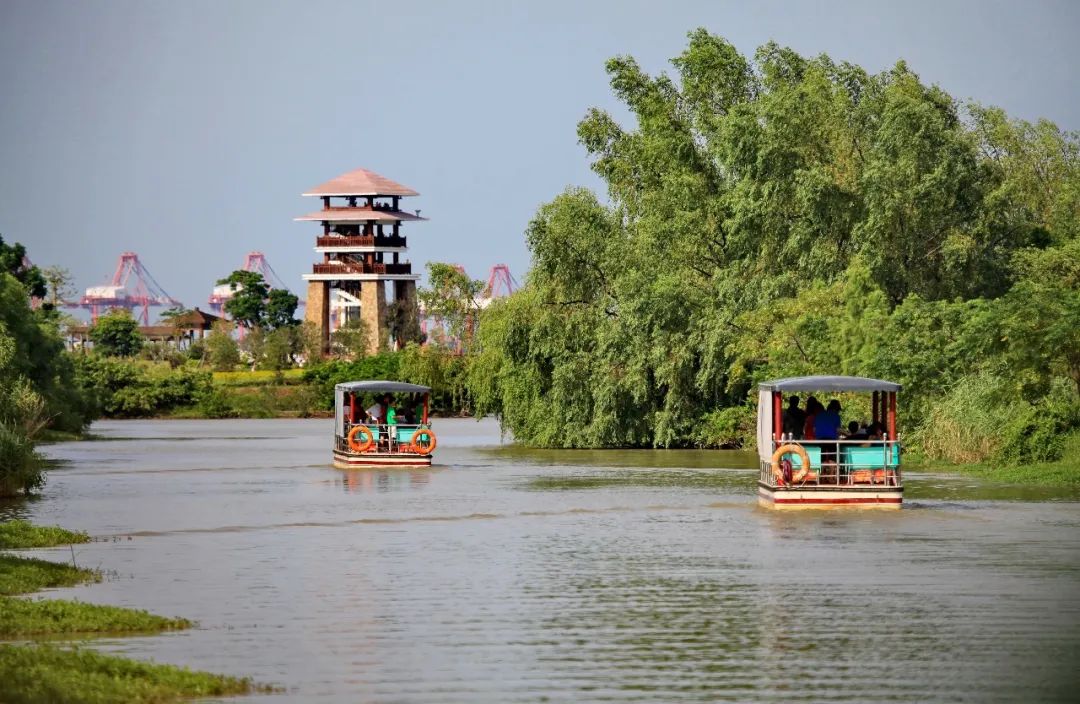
323	376
124	389
983	418
728	427
21	468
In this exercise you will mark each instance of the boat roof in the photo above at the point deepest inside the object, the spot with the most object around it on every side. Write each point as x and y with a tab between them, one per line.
828	383
390	387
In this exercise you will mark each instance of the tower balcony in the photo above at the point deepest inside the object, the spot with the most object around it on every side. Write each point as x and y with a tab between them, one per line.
354	241
361	268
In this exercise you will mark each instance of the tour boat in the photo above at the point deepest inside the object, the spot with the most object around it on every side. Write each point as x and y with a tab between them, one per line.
360	442
858	472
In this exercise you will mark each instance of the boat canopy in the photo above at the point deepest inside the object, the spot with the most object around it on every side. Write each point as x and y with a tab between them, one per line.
766	389
389	387
377	387
828	383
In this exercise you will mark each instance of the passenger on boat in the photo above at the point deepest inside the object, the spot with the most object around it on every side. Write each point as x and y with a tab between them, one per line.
794	419
827	423
854	432
813	407
827	427
376	413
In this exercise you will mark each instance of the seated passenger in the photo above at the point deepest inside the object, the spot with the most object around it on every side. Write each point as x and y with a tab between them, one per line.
794	419
854	432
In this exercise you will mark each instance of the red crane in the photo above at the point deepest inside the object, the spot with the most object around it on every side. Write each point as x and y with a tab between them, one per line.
500	282
254	261
131	287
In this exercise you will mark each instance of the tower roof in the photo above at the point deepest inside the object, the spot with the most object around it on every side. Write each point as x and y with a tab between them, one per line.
347	215
361	182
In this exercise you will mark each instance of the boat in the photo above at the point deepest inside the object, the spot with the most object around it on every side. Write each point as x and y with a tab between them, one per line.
859	472
360	442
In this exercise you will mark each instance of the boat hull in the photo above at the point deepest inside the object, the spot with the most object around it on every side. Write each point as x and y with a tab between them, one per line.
384	460
882	497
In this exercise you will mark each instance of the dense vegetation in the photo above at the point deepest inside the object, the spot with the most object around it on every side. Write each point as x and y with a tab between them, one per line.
785	215
37	387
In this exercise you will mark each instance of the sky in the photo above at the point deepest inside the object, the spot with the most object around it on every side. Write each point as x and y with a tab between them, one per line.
186	131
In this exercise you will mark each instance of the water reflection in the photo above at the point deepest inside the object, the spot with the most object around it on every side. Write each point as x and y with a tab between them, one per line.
354	481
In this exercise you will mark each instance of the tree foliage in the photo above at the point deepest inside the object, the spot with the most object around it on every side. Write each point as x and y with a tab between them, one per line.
116	334
781	215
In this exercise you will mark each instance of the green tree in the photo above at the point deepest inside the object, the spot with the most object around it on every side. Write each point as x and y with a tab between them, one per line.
280	309
453	297
116	334
773	215
60	285
13	261
247	306
350	341
403	322
222	351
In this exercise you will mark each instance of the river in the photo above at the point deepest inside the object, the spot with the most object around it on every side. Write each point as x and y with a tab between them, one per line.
509	575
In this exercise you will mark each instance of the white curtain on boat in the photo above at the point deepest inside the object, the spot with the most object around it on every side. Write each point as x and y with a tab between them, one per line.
764	424
339	411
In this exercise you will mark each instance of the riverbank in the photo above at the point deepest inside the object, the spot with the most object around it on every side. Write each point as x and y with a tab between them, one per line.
37	673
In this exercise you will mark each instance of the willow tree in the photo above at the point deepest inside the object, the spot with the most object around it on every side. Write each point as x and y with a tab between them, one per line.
745	189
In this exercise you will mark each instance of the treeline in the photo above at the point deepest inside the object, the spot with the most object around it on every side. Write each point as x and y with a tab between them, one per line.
782	215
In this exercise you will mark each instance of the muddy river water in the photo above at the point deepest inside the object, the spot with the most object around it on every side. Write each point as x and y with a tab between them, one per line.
507	575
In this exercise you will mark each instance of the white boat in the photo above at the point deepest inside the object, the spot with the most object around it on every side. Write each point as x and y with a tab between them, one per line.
802	473
360	443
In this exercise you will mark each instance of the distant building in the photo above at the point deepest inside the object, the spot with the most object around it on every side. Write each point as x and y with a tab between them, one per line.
362	249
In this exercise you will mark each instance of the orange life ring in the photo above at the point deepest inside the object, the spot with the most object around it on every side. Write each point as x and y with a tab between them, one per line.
369	439
417	448
783	450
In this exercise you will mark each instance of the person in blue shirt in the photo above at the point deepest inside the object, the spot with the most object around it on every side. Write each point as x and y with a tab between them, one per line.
827	427
827	423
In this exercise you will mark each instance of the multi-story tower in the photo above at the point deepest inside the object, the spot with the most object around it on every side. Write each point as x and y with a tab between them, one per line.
362	249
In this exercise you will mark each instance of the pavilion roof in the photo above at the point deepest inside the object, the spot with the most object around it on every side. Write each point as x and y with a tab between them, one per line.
361	182
347	214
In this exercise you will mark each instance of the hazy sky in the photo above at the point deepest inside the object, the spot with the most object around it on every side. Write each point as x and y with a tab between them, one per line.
186	131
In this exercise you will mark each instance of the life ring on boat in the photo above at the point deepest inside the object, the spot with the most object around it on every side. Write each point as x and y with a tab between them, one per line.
778	471
366	443
419	449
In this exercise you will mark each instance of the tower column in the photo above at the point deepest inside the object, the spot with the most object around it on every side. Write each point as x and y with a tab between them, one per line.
318	310
373	313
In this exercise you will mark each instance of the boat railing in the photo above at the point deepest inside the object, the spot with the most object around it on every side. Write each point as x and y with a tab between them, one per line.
855	462
396	437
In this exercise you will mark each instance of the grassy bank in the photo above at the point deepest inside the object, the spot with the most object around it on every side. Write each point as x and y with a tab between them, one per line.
38	673
23	534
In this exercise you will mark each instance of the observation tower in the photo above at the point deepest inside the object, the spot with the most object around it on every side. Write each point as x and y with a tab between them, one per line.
362	249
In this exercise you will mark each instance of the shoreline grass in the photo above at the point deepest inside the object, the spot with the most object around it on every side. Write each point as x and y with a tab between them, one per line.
22	575
24	617
34	674
18	534
40	674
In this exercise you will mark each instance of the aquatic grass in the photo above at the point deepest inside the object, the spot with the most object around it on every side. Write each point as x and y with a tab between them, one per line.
17	534
40	673
708	479
21	575
23	617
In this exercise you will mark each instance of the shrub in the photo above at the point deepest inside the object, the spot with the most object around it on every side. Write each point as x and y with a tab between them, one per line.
124	389
728	427
984	418
21	468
